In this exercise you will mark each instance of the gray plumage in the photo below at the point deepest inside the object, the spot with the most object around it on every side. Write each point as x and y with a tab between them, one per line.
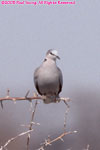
48	77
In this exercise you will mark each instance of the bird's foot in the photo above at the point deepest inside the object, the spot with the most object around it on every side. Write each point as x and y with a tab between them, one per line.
44	97
57	100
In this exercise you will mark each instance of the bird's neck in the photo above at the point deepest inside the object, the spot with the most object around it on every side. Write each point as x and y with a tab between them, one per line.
49	62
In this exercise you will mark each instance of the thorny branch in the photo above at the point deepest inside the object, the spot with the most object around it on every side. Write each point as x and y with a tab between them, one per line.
31	124
48	141
26	97
36	97
14	138
87	148
27	132
8	97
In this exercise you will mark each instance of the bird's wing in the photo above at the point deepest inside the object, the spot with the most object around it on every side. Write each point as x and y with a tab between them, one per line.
60	80
36	80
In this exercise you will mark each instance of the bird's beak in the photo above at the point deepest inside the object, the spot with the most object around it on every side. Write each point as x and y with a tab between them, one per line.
58	57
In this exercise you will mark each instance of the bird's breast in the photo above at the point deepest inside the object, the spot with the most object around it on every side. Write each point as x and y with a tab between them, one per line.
49	75
48	81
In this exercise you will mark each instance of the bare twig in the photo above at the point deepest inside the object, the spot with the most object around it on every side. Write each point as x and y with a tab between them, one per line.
8	97
87	148
14	138
1	104
36	97
65	100
34	123
20	98
60	137
31	124
65	120
49	142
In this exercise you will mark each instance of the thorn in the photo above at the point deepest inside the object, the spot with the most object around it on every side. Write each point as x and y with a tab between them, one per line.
66	104
31	106
35	94
48	138
62	139
14	100
8	93
22	125
1	104
34	123
27	93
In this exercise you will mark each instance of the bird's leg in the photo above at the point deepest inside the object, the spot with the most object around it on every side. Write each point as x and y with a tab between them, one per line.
44	97
57	99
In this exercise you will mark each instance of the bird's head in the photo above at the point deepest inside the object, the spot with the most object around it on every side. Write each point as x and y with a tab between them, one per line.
52	54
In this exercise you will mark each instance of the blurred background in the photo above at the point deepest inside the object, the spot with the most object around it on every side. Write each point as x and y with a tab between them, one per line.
26	33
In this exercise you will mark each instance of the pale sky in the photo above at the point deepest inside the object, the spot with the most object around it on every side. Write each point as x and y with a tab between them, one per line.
26	33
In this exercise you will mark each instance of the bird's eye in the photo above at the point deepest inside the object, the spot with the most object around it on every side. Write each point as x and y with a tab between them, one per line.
45	59
51	53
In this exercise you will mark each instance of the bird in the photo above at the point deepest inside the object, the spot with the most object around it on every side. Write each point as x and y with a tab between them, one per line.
48	78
